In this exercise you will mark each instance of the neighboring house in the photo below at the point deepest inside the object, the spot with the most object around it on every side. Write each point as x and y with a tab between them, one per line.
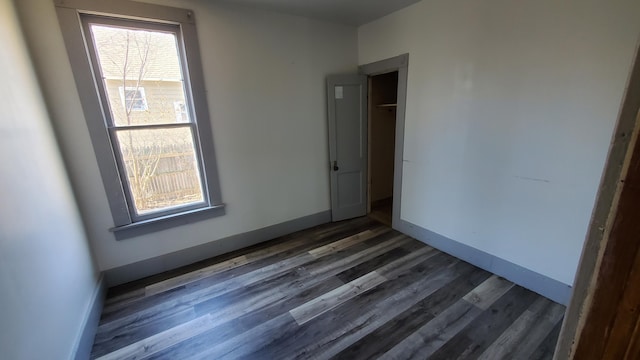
142	74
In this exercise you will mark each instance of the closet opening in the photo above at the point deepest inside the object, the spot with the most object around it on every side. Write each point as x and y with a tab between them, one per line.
382	107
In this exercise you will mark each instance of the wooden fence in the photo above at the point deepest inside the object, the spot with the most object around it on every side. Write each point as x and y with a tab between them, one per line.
165	180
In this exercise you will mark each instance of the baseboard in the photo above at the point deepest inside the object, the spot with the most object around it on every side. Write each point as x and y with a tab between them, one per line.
382	202
91	320
174	260
543	285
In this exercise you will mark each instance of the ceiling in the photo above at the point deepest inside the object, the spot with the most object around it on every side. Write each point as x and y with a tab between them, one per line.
349	12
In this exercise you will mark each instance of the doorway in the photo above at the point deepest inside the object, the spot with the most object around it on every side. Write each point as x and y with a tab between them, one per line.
365	115
386	106
382	111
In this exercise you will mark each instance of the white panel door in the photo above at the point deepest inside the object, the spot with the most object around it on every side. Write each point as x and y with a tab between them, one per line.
347	117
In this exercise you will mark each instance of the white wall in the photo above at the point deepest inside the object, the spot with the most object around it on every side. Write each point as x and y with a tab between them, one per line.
265	76
510	110
47	276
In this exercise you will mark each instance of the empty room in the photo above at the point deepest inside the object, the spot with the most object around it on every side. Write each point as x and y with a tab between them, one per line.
321	179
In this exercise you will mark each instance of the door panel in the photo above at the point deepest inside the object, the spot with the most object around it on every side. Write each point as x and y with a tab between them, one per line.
347	117
349	188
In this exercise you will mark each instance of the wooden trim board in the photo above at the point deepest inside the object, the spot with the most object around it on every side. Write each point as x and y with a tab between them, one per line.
606	204
614	296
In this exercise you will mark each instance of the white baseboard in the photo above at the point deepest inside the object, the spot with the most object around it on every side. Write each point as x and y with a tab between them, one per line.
541	284
174	260
84	343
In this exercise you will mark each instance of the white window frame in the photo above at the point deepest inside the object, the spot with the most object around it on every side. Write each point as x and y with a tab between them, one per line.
72	15
139	90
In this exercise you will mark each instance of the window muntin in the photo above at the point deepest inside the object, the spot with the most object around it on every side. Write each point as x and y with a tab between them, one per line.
139	67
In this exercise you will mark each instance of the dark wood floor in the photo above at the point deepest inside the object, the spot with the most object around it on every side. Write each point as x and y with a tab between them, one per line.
350	290
382	211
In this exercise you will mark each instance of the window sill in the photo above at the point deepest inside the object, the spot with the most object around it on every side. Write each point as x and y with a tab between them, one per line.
166	222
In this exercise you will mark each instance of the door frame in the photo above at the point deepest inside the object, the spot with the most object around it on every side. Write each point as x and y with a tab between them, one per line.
400	64
600	284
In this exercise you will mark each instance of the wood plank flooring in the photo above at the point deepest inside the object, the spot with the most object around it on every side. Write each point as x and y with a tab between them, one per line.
382	211
348	290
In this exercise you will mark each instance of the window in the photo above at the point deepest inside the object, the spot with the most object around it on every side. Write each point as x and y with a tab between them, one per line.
133	98
181	111
141	86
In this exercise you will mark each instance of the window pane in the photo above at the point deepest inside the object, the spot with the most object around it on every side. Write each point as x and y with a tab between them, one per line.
141	73
161	168
133	98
